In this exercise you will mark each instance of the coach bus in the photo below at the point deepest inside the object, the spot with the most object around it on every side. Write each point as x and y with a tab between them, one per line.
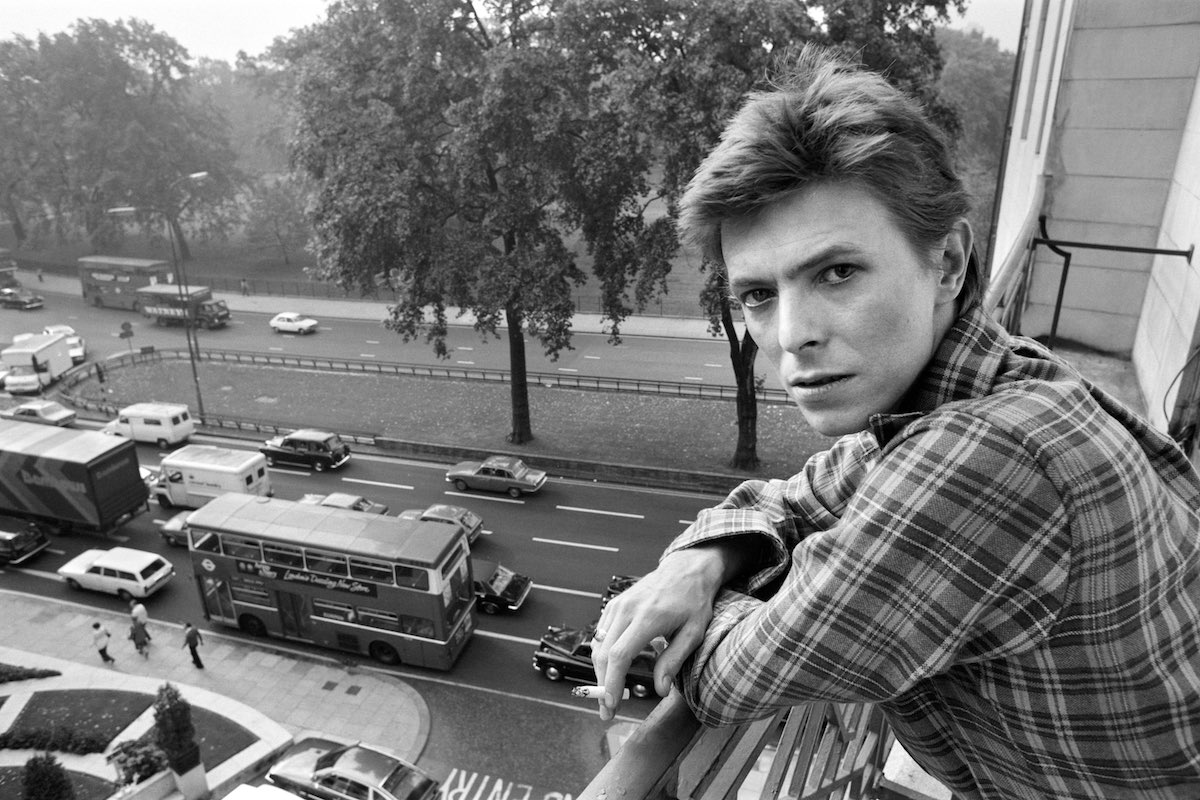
399	591
112	281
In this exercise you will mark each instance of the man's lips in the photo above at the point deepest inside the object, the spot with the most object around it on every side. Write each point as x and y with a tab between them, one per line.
810	382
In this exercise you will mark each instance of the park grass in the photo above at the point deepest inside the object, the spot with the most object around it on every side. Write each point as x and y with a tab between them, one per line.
102	713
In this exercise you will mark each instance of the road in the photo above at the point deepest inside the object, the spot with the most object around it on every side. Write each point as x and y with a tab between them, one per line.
493	714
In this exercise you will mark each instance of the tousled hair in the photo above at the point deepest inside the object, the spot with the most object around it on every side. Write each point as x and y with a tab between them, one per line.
828	119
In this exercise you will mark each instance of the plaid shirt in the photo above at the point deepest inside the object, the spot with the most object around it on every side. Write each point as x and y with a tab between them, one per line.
1011	569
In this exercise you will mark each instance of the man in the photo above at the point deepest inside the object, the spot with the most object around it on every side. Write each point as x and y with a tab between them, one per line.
192	640
139	617
100	640
996	552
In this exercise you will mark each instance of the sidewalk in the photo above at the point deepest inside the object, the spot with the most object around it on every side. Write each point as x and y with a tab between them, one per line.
273	694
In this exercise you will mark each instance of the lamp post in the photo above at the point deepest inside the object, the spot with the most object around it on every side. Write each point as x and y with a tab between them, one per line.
193	345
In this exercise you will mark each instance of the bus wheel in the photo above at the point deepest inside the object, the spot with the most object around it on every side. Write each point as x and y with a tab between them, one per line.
384	653
252	625
552	673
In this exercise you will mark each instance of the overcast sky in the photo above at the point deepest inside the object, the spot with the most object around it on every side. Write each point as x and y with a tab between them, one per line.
220	28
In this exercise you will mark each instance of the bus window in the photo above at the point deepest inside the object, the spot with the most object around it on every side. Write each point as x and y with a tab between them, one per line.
342	612
412	578
327	563
417	626
238	547
378	619
283	556
205	541
248	594
366	570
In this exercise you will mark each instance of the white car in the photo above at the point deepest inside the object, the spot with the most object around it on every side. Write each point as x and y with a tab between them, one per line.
122	571
76	347
44	412
291	322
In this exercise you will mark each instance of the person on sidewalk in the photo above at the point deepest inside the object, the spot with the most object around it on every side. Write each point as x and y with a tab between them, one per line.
140	618
101	638
191	640
995	551
245	288
140	639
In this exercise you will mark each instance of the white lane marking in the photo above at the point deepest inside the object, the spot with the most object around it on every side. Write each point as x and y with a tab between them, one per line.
599	511
690	378
716	366
366	355
468	349
372	341
484	497
577	544
290	471
37	573
567	369
377	483
466	363
685	521
560	590
507	637
275	349
592	358
56	551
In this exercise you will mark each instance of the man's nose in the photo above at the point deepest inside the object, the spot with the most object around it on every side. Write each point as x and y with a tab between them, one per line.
799	323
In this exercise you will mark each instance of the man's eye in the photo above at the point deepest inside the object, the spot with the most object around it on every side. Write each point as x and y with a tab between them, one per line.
838	273
752	298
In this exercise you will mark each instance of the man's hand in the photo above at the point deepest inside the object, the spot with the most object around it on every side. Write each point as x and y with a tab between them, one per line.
674	602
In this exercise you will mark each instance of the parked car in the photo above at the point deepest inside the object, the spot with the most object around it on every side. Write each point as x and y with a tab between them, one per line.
291	322
352	502
454	515
324	768
498	588
566	653
307	447
76	347
173	531
21	298
122	571
616	585
20	541
497	474
43	412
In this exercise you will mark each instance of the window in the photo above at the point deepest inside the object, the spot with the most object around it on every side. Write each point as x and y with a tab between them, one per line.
157	422
417	626
328	563
239	547
205	541
249	594
367	570
412	577
379	619
283	555
328	609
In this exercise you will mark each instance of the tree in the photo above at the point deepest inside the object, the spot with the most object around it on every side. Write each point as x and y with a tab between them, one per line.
45	779
467	154
105	118
277	216
174	732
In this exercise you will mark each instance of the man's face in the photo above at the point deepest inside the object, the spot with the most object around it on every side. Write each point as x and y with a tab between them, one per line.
838	299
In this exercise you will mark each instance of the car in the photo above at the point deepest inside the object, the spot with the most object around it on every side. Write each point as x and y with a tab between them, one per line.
291	322
23	299
353	502
616	585
173	530
325	768
497	474
123	571
566	653
498	588
43	412
307	447
76	347
20	541
466	519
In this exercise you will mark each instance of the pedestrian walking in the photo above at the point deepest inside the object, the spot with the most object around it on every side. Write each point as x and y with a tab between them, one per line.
140	617
191	640
100	638
41	275
245	287
140	639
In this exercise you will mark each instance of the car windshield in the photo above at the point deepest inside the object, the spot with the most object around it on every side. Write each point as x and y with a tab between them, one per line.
405	783
566	638
500	580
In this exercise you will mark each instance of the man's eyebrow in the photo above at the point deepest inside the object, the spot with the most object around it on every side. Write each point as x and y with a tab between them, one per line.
808	261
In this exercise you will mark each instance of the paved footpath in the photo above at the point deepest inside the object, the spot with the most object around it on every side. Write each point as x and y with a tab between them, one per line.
274	695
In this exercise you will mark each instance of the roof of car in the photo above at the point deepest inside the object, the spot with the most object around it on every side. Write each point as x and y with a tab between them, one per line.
310	433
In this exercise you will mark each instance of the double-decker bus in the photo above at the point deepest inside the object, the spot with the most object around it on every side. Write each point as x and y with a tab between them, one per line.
113	281
399	591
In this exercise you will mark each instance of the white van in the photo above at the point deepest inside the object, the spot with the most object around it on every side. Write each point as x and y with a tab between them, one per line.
163	424
196	473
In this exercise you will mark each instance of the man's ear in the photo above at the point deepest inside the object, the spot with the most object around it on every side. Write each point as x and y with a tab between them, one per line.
955	255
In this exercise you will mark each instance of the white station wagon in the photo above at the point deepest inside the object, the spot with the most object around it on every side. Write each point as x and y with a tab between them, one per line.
122	571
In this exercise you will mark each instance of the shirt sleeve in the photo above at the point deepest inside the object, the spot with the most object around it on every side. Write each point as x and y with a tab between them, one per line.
782	512
954	549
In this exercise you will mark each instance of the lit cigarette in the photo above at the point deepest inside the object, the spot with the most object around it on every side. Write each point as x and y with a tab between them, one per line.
594	692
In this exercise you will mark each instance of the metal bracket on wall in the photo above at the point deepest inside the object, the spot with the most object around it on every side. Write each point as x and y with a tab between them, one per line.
1055	246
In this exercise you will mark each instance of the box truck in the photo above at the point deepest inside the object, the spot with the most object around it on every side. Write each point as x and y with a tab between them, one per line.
196	473
35	362
69	480
182	305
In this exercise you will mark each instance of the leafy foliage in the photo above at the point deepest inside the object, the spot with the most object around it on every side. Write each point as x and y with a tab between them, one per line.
174	732
60	737
136	759
10	672
45	779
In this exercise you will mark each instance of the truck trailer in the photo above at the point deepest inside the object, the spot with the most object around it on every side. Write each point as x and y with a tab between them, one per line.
182	305
69	480
196	473
35	362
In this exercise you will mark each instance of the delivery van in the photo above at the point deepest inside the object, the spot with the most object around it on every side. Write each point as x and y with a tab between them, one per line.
163	424
196	473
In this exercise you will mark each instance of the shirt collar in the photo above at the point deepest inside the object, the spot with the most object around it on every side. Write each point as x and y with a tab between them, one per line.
964	366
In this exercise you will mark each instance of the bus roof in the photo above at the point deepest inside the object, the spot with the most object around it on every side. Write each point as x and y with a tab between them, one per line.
172	289
353	532
120	262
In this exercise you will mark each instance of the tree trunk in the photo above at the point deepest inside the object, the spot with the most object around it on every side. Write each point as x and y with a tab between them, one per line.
14	219
742	355
522	429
